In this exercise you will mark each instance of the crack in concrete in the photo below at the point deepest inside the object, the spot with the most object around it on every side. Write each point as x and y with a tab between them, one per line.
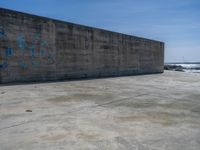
15	125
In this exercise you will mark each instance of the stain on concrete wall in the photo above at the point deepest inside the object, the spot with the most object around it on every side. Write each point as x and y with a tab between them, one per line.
35	48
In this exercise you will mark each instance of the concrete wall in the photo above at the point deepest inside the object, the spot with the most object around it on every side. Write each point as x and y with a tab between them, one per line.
35	48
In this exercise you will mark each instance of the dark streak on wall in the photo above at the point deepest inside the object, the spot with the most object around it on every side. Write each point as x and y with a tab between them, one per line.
36	48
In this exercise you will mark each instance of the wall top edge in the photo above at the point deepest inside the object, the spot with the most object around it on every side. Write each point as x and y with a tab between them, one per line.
5	10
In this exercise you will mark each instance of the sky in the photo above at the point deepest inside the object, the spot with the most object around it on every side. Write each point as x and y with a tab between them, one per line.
175	22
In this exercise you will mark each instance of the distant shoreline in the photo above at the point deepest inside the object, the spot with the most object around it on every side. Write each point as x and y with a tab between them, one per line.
183	67
182	63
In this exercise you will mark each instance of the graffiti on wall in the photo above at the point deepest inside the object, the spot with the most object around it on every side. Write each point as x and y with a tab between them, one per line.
36	48
8	53
21	42
2	32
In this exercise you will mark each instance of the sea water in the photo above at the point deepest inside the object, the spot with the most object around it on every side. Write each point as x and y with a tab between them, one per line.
189	67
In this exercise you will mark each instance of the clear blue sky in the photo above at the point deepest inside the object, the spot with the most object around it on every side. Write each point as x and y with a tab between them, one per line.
176	22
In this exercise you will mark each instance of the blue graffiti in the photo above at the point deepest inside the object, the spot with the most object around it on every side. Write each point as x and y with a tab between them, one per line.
4	64
42	51
21	42
34	63
9	52
50	59
43	48
32	51
2	32
39	52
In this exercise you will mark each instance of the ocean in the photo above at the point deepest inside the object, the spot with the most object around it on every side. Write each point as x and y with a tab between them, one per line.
186	67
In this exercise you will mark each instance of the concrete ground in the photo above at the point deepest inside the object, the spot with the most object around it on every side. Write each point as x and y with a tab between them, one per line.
149	112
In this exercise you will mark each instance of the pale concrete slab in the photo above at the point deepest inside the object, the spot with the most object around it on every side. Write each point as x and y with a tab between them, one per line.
150	112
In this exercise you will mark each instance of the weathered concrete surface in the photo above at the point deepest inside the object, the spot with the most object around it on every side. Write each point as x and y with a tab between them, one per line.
151	112
35	48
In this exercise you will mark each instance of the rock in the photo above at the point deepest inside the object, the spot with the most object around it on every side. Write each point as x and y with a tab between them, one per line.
174	67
